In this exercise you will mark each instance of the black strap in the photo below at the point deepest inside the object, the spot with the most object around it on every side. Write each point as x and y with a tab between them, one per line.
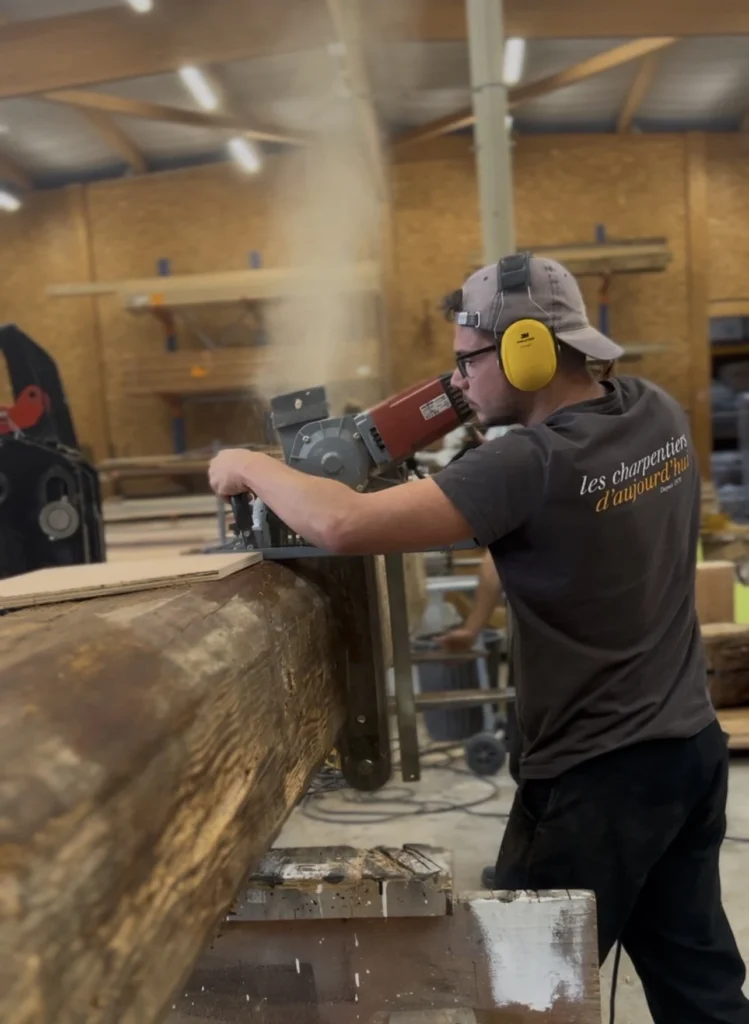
514	273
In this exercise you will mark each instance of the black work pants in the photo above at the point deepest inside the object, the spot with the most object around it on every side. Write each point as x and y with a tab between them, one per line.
642	827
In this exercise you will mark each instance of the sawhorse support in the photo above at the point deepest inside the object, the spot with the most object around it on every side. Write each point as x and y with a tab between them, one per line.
339	936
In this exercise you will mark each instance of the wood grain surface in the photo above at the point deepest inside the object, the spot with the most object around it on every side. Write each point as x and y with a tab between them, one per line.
151	747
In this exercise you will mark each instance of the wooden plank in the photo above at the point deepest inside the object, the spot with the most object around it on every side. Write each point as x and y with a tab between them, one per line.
151	747
509	958
729	307
126	107
588	68
735	722
697	269
75	582
241	285
638	90
341	882
444	20
519	94
117	139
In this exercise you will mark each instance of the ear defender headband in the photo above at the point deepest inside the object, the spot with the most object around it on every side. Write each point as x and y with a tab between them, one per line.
528	350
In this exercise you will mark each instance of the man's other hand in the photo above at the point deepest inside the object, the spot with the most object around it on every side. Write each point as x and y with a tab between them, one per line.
460	639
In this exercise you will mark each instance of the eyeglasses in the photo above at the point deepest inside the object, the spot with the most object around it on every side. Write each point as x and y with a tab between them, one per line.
465	360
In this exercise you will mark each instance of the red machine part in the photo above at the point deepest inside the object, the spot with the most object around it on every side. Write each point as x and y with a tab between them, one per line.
412	420
29	407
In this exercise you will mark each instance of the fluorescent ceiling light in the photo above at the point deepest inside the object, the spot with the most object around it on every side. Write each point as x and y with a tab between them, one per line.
514	58
245	154
141	6
9	202
199	86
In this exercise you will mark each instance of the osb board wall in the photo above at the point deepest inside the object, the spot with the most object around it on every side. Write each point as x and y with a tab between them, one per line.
728	216
206	219
564	186
46	243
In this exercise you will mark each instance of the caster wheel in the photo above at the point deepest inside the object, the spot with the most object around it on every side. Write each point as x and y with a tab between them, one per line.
485	754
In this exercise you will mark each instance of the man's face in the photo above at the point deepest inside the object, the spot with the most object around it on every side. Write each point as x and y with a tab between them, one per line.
486	388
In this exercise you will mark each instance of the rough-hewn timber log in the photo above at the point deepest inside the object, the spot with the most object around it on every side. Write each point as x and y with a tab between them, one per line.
151	747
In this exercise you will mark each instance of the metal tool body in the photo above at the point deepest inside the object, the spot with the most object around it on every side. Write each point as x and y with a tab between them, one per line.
365	451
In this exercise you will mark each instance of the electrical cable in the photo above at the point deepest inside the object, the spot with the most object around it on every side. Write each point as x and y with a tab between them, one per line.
614	980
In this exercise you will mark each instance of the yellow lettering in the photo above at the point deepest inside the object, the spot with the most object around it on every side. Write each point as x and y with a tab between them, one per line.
640	487
603	503
618	497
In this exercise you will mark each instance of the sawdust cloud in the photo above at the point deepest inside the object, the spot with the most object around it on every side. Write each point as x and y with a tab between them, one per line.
329	214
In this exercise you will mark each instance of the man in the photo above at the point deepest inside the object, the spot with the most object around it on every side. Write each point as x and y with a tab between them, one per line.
591	511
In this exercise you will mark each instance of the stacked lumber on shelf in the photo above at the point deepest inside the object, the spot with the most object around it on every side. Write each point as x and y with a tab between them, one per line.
236	369
181	290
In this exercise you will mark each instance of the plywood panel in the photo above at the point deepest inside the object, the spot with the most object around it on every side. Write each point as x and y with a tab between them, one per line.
564	186
45	243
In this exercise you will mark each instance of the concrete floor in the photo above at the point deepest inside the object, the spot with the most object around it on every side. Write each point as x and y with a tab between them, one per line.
474	843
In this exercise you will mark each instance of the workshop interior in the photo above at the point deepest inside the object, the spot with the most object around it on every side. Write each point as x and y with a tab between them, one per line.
241	776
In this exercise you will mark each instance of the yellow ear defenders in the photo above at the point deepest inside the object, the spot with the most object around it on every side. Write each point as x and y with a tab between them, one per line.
528	350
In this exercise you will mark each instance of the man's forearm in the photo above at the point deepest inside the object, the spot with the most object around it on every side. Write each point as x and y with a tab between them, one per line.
313	507
487	596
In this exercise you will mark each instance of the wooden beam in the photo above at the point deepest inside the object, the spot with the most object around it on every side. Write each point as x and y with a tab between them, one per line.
541	87
596	65
637	91
697	289
120	105
345	16
14	174
117	140
444	20
111	43
151	747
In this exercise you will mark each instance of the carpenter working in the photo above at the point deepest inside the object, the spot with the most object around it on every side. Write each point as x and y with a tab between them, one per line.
590	509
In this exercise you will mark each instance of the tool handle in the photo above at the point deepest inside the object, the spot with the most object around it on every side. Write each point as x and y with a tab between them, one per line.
240	507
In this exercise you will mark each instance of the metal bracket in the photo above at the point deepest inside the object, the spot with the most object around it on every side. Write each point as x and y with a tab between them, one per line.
405	705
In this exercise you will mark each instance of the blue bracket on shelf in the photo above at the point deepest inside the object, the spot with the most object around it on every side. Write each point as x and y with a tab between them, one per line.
603	291
164	269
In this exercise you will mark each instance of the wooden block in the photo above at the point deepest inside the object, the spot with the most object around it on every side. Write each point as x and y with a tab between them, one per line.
714	592
727	651
343	882
503	957
735	722
76	582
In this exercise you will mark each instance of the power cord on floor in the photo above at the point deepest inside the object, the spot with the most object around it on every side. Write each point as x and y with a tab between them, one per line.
395	802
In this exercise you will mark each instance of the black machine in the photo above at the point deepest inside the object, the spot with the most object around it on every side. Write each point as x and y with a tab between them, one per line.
50	502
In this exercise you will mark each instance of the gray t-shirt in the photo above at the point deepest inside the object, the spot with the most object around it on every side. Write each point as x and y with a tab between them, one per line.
592	518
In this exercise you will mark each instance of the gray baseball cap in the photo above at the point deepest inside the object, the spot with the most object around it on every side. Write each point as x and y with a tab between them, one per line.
554	298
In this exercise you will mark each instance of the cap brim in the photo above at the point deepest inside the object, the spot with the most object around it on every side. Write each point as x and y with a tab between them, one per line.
591	342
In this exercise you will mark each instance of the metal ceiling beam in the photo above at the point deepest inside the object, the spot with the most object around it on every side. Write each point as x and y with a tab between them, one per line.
14	174
122	106
541	87
116	139
637	91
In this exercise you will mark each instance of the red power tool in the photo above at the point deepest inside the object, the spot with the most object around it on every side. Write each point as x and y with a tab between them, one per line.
357	449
